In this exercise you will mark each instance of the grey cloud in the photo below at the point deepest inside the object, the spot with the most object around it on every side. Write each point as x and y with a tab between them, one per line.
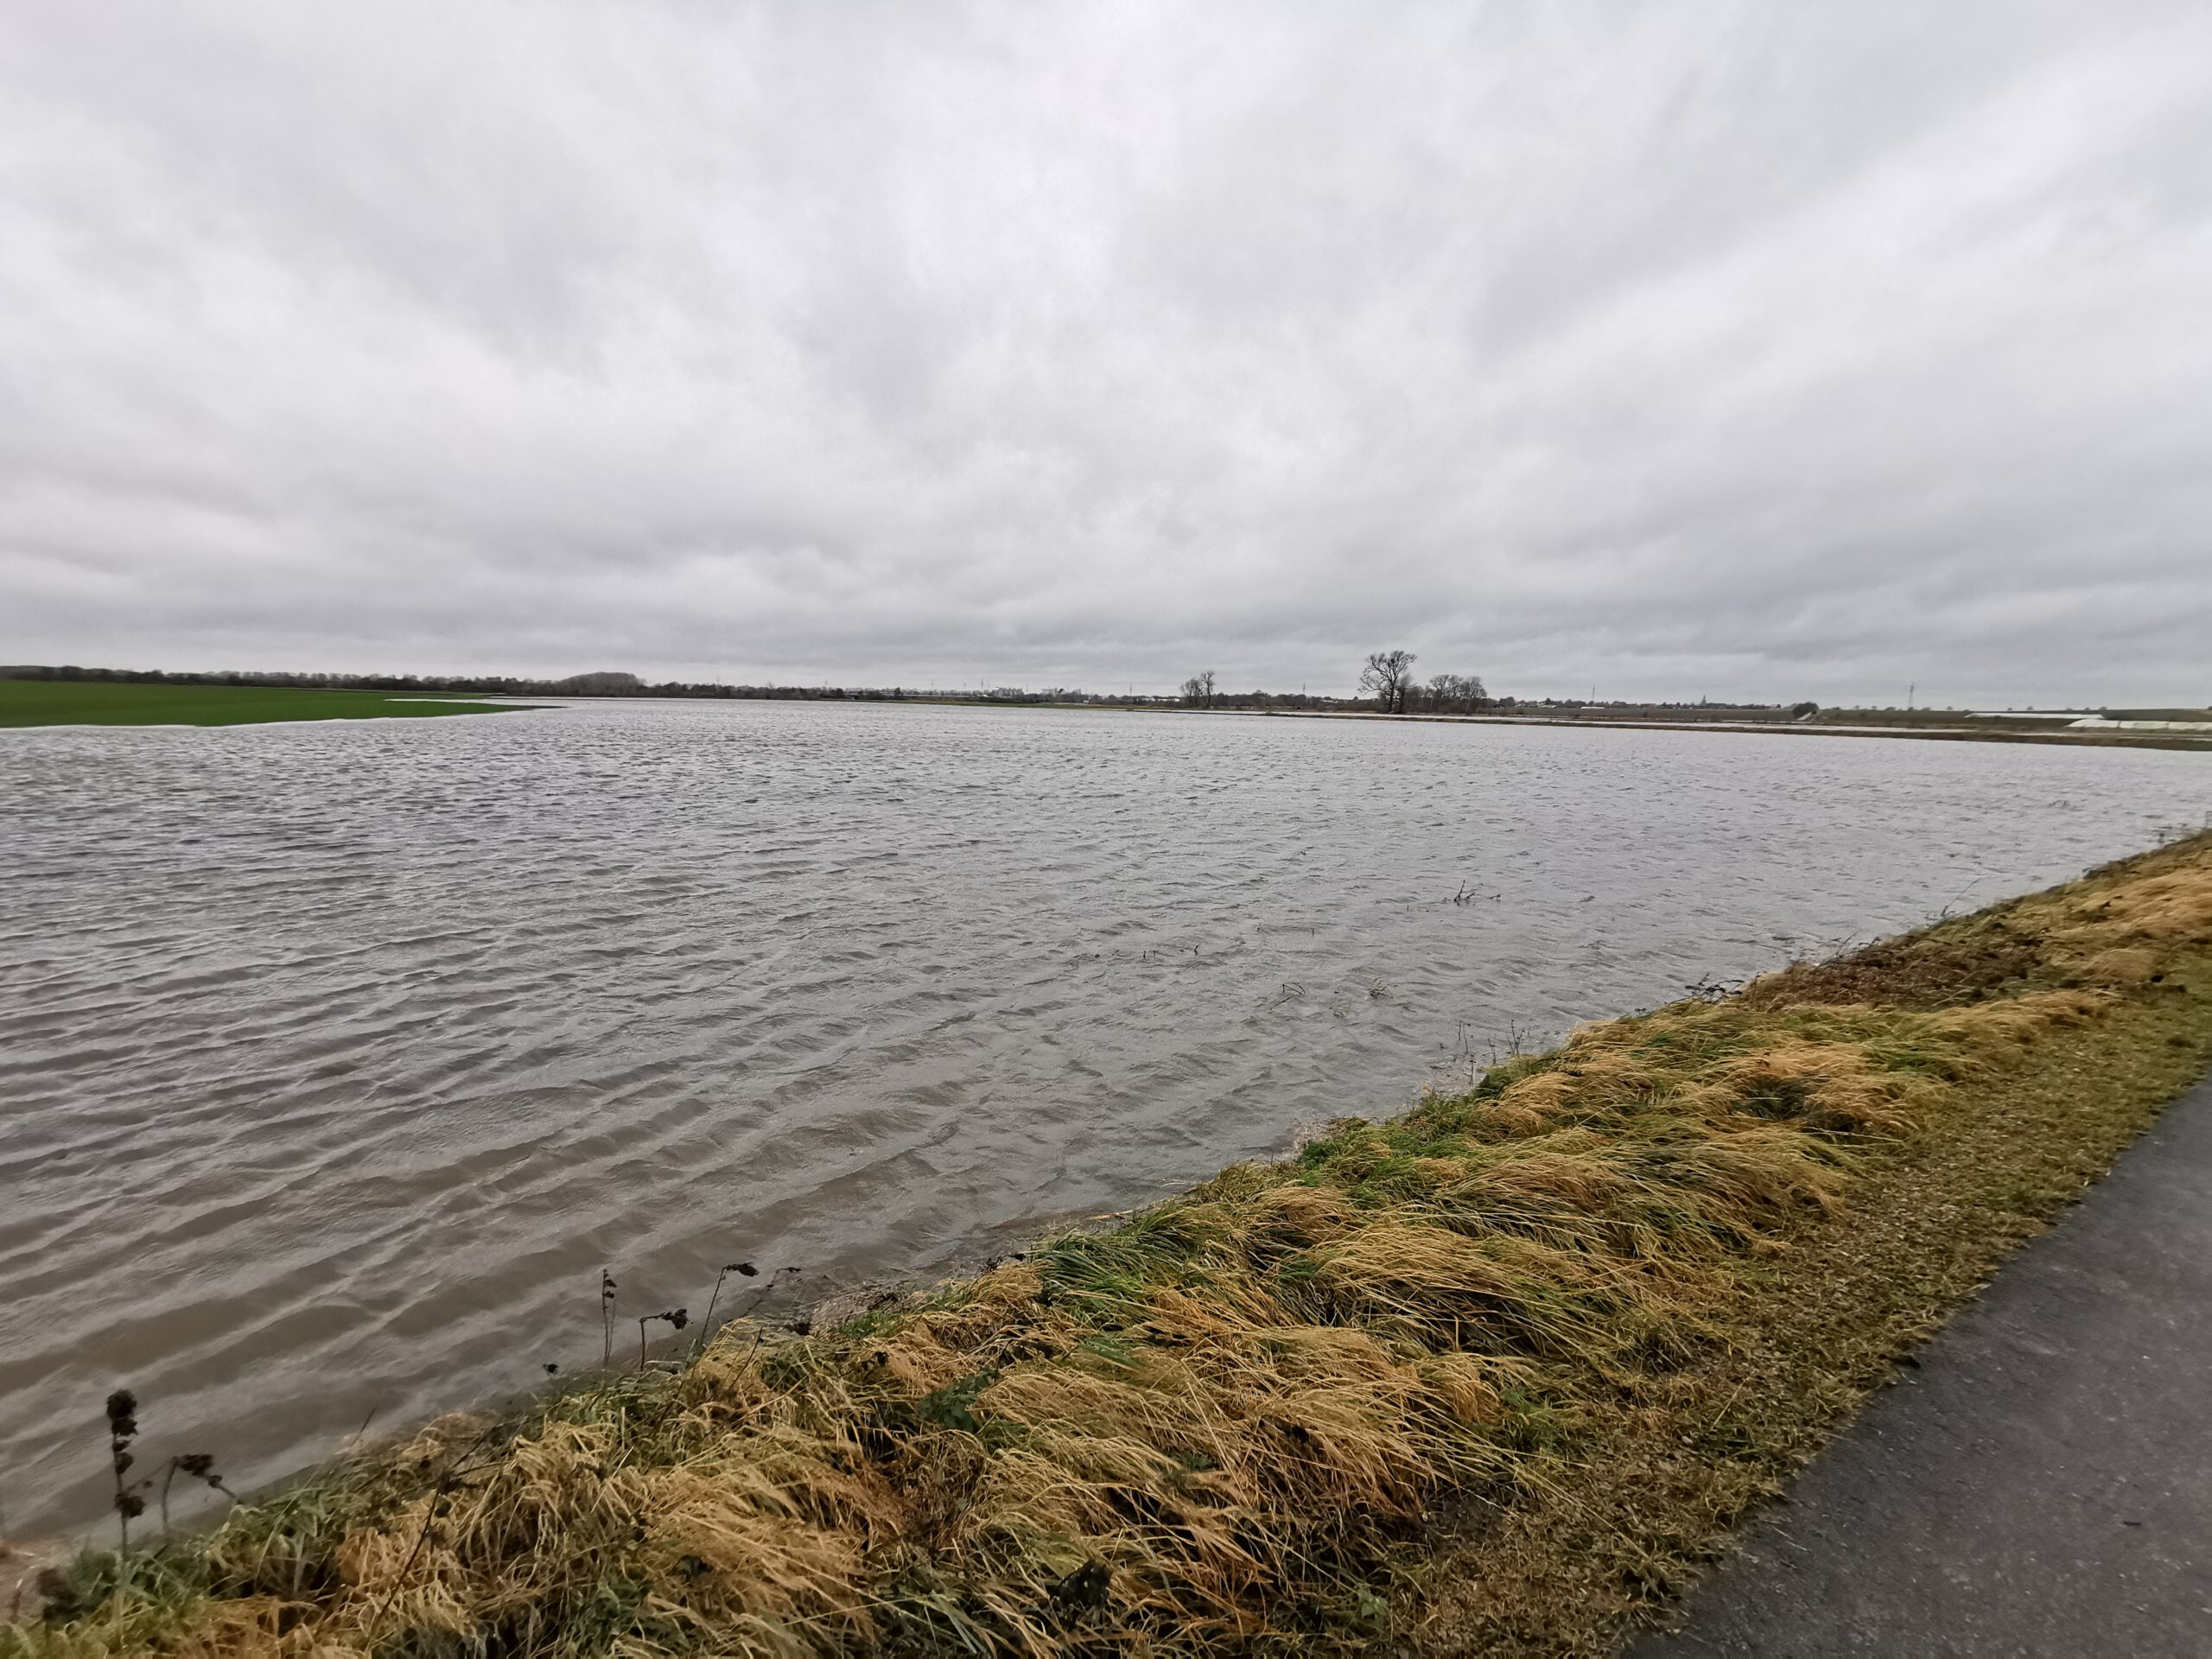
1678	350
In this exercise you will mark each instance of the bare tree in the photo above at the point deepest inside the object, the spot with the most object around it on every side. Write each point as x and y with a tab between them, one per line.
1387	678
1198	691
1454	693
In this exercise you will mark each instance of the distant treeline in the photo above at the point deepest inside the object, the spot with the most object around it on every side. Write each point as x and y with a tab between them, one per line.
602	685
611	684
1443	694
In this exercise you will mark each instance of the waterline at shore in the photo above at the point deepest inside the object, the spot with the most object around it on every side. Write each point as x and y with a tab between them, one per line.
1493	1376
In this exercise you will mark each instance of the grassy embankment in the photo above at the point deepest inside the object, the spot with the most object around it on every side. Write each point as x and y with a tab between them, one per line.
1493	1377
99	703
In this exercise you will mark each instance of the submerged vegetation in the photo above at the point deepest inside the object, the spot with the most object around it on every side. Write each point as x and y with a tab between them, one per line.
1491	1377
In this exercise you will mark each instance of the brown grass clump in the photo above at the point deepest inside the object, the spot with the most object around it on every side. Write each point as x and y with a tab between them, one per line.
1487	1377
1917	971
2117	927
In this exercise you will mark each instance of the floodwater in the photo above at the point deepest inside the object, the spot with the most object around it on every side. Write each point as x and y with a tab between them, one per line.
337	1059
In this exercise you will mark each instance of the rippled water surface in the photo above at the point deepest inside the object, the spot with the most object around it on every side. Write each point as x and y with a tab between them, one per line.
335	1060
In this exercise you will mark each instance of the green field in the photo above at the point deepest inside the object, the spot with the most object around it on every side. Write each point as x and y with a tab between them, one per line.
106	703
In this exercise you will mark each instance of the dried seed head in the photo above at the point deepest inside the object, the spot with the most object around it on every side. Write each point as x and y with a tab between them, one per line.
745	1268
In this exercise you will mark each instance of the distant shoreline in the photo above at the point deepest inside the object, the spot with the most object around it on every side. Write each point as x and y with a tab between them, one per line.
44	698
1791	729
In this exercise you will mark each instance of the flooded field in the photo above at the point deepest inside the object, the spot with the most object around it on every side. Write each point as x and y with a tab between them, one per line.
336	1060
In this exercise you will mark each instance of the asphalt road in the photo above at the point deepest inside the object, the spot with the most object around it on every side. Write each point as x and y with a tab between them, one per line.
2042	1483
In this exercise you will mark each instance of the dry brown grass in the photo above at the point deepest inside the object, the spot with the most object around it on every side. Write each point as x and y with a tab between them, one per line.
1489	1377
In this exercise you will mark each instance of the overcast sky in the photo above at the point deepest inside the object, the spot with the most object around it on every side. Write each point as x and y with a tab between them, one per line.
1761	350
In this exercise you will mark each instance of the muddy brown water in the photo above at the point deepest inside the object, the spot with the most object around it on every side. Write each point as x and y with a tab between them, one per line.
336	1059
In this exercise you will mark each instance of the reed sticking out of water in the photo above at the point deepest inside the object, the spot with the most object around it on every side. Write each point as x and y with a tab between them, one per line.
751	1304
122	1430
193	1465
607	1314
676	1318
744	1269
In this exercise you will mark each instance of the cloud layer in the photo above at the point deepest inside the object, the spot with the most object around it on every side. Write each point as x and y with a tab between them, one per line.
1673	350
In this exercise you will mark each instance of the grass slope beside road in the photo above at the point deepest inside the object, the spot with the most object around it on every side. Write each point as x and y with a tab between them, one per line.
1492	1377
104	702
